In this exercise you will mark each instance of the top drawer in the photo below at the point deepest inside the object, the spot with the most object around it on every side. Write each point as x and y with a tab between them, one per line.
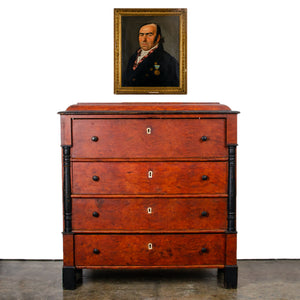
148	138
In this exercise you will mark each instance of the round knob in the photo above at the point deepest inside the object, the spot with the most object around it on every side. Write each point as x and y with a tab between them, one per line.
204	138
204	250
204	177
204	214
95	214
96	178
96	251
94	138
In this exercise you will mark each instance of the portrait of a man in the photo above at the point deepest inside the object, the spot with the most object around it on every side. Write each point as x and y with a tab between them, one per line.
151	65
150	53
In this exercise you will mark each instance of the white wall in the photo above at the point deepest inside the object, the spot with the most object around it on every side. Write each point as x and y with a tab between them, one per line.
241	53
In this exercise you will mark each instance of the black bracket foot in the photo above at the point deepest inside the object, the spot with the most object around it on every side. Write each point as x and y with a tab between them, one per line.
71	276
229	275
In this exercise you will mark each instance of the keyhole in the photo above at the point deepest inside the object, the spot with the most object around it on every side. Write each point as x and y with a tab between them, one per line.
149	210
148	130
150	246
150	174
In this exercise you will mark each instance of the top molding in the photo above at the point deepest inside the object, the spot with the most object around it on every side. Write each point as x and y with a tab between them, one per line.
148	108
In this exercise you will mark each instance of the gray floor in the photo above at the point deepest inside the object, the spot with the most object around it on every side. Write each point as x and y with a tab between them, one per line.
258	279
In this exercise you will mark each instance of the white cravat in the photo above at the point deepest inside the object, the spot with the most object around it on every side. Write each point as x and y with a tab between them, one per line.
145	53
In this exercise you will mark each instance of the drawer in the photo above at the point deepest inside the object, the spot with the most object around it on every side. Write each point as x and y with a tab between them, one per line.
150	250
149	214
149	178
145	138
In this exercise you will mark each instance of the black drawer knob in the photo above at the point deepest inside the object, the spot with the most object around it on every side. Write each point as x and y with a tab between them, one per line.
204	214
94	138
96	178
204	138
96	251
204	177
95	214
204	250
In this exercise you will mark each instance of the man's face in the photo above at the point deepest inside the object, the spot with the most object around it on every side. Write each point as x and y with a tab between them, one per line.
147	36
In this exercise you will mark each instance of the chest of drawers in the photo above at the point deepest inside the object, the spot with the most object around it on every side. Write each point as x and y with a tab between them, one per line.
149	185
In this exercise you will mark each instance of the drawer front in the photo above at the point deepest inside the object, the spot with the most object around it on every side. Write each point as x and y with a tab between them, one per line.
149	250
149	214
149	178
144	138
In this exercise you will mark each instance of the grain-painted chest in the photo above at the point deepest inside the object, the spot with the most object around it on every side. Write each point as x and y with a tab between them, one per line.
149	185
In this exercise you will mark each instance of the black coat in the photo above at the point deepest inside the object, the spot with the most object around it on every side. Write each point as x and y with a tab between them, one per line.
158	69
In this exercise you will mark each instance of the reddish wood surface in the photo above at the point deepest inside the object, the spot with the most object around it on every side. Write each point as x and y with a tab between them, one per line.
128	138
68	243
231	129
117	214
167	250
176	193
66	138
231	249
150	106
132	178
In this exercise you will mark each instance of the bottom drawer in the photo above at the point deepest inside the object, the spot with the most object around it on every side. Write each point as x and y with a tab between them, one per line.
125	250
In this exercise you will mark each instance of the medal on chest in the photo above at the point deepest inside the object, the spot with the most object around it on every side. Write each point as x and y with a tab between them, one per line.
156	67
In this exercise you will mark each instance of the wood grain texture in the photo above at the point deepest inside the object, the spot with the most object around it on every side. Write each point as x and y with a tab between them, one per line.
68	243
128	138
231	132
149	106
133	250
152	185
135	214
132	178
66	125
231	247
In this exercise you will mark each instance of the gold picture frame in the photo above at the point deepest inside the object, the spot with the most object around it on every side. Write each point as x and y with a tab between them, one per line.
173	31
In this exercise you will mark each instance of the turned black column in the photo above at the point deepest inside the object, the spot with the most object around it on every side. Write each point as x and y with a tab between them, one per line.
67	203
71	275
229	273
231	207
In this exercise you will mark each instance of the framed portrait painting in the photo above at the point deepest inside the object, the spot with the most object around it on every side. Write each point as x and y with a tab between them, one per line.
150	51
